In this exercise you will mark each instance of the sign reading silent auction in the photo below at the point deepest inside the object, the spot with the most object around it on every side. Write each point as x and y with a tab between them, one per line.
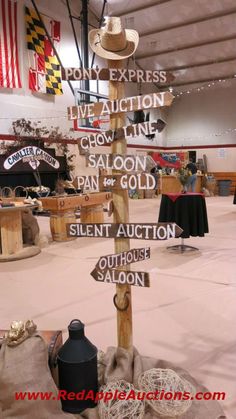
150	231
129	104
31	155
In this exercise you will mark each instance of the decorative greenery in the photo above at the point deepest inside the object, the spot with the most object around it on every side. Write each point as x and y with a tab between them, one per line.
25	128
183	176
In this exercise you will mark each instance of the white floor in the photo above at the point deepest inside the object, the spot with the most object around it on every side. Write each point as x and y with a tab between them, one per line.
187	316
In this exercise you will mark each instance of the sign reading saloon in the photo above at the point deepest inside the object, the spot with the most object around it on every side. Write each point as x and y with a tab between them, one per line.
31	155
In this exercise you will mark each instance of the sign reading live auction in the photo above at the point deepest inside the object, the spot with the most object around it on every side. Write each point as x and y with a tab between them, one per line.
114	74
147	231
129	104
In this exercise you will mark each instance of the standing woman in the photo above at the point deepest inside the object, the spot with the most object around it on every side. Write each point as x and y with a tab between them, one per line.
191	184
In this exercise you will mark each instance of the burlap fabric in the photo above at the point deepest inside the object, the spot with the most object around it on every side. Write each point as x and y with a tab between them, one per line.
25	368
120	364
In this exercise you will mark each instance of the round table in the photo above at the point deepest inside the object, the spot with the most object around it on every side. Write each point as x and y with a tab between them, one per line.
188	211
11	241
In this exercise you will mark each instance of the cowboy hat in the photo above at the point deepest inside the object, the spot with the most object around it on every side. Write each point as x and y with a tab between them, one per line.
112	42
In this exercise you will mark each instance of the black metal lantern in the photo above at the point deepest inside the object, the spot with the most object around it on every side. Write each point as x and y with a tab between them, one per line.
77	369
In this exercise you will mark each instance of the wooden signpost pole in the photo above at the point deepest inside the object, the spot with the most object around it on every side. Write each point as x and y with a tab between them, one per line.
122	298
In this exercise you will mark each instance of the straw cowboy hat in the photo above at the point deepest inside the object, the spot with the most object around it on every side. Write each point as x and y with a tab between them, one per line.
112	42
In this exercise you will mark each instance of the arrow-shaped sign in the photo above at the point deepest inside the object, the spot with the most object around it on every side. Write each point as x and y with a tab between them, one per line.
123	258
108	137
113	276
149	231
129	104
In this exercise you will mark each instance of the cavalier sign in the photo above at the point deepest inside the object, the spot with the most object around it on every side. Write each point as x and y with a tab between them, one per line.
31	155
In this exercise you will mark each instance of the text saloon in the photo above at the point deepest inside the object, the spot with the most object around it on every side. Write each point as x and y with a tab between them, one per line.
129	104
140	279
150	231
113	74
108	137
119	162
123	258
142	181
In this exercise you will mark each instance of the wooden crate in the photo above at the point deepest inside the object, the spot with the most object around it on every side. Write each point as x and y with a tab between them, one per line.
225	176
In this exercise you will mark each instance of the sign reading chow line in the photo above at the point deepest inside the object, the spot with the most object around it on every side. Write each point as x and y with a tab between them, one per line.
108	137
113	74
129	104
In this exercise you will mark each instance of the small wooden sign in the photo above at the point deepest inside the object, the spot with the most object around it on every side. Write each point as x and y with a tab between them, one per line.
119	162
108	137
123	258
141	181
121	75
150	231
113	276
129	104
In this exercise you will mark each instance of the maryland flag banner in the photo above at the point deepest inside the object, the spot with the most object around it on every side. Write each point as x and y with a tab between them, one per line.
45	71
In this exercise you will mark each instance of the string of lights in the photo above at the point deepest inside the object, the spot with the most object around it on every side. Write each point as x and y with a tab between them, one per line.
207	85
204	137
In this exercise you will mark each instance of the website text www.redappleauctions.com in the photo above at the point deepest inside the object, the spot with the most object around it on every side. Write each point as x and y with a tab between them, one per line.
119	395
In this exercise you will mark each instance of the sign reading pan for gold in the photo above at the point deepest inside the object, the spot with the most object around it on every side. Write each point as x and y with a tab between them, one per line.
120	162
142	181
135	103
113	74
150	231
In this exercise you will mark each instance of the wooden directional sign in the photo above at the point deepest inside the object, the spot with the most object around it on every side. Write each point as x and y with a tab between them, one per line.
129	104
107	137
142	181
121	75
150	231
123	258
113	276
119	162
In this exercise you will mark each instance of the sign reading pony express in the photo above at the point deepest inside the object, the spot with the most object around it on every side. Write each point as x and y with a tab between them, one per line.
120	74
32	155
150	231
129	104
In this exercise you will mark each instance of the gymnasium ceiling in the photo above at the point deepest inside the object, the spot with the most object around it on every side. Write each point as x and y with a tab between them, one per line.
194	39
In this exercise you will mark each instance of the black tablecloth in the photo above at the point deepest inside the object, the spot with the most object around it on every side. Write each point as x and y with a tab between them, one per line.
187	210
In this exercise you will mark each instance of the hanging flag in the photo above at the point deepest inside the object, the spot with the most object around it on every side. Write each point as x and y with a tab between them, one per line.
9	61
45	70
